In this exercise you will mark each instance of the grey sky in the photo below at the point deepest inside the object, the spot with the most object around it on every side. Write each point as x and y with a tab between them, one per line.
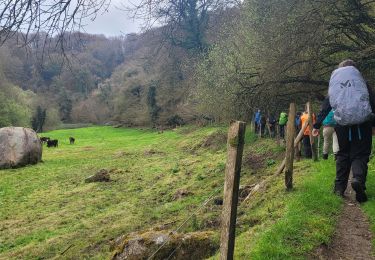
113	23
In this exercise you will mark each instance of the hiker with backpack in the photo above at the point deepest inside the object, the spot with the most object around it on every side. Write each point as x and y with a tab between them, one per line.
353	103
257	117
297	122
272	125
329	135
283	119
306	134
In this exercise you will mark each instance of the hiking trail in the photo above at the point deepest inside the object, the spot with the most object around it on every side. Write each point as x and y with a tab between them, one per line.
352	238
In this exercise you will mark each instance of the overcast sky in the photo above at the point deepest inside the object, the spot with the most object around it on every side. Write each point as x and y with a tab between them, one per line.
113	23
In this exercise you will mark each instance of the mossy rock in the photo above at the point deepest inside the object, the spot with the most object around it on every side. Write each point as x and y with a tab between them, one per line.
137	246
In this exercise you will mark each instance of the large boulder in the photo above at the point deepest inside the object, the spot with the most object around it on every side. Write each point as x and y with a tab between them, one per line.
19	146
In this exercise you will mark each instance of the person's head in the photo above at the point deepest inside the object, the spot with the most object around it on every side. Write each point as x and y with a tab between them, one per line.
347	63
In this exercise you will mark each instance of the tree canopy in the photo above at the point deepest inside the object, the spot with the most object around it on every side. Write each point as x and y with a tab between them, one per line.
282	51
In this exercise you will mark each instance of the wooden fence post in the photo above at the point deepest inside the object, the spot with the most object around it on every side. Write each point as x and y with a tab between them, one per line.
235	144
312	141
289	155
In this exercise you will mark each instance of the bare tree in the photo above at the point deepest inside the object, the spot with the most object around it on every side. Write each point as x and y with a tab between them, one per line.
27	18
184	21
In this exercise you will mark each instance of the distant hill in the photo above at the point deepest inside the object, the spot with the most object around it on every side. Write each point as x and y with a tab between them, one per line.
138	79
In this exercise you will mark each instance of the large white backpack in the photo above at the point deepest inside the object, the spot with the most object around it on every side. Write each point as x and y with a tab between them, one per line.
349	97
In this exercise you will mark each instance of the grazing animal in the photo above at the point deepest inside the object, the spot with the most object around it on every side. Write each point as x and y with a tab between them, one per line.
53	143
44	139
72	140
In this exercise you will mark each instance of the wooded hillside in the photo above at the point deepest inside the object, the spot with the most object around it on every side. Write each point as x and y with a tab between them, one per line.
210	63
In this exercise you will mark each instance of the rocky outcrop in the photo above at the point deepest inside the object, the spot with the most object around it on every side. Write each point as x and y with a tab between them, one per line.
19	147
166	245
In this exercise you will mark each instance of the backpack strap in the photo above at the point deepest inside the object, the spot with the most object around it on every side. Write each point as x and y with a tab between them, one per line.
359	133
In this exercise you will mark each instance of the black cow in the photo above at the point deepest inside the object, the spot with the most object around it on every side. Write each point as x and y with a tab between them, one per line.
72	140
53	143
44	139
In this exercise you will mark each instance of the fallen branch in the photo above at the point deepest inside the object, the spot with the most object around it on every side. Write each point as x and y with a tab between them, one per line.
63	252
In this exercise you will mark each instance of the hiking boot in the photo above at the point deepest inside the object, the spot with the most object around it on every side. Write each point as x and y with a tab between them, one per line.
339	193
325	156
360	194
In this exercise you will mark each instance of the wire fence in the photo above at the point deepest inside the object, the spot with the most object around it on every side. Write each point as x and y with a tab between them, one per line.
202	205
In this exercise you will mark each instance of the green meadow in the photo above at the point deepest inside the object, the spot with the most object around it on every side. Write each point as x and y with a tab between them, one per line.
47	208
47	211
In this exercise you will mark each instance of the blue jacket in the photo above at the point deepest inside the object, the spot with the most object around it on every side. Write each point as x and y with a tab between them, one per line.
257	117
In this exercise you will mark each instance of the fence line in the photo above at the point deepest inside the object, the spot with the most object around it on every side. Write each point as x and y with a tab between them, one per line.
186	220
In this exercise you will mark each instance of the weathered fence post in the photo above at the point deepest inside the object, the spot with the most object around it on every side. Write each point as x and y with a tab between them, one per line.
236	138
312	141
289	155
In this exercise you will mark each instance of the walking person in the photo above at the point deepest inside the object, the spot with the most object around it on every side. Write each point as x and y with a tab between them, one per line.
306	134
282	122
297	122
329	135
272	125
257	117
353	103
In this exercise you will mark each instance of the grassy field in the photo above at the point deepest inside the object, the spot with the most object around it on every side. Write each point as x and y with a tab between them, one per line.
294	223
369	207
48	208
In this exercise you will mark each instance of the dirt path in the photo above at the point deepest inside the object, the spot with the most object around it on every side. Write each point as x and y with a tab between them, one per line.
352	239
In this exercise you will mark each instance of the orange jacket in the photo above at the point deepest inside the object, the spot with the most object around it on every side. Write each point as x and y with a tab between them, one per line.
304	119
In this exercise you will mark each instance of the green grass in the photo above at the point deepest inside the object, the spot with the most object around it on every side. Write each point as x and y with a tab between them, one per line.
47	208
307	219
290	225
369	206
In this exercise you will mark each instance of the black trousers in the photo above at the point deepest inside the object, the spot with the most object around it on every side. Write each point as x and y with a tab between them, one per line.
307	146
355	144
282	131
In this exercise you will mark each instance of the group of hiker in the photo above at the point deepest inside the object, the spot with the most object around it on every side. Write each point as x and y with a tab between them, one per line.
268	125
347	116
